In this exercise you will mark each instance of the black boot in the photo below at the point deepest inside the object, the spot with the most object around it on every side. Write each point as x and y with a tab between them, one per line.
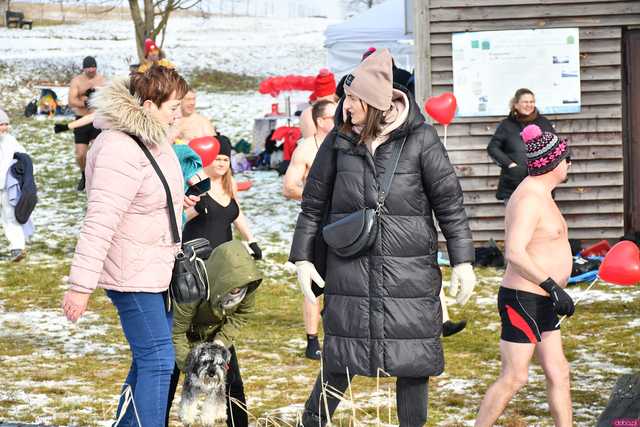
311	420
451	328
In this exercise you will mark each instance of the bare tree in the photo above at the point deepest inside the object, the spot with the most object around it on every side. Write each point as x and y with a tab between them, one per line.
152	19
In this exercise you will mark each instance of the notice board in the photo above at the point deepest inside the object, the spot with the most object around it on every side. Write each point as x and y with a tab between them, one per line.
489	66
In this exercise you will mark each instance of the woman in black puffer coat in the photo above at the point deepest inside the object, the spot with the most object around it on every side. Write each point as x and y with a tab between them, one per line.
506	147
382	310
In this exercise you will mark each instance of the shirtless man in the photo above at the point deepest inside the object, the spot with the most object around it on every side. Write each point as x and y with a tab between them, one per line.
531	297
323	113
193	125
325	89
81	88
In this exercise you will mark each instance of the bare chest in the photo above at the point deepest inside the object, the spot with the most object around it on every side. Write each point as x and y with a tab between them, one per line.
192	127
85	84
551	226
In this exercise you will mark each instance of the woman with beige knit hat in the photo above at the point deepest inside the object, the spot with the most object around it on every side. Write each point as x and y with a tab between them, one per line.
382	310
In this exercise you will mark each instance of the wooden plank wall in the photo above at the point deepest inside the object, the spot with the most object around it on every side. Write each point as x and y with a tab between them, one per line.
592	199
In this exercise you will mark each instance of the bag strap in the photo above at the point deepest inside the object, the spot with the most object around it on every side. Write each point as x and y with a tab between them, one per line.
172	214
389	171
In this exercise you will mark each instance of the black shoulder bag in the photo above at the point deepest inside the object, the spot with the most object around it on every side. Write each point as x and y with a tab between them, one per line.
189	281
353	235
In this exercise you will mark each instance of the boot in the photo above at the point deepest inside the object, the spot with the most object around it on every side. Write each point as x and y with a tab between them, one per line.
311	420
451	328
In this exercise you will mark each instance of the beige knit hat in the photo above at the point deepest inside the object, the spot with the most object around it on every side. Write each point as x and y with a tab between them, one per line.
372	80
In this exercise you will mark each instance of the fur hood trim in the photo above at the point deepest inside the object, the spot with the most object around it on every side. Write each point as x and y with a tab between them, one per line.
117	109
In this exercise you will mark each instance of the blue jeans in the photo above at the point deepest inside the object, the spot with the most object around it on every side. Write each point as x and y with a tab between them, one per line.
147	327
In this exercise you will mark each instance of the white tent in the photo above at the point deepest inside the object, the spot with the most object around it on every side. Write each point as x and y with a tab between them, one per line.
381	26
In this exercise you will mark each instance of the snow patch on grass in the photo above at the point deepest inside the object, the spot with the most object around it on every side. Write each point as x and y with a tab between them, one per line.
74	340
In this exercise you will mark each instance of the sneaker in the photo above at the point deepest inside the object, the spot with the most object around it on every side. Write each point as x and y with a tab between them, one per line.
313	349
17	254
451	328
81	183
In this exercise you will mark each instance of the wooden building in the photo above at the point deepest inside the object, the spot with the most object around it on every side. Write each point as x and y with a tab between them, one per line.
602	197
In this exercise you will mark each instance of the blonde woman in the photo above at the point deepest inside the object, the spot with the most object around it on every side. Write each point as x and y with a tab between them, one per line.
213	215
506	147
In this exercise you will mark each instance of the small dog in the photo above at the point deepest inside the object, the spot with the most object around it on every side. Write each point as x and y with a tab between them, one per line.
203	400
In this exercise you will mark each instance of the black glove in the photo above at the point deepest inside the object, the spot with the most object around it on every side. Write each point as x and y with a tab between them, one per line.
60	127
562	302
257	252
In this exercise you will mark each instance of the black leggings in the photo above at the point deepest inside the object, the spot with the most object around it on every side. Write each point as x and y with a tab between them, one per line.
411	399
235	389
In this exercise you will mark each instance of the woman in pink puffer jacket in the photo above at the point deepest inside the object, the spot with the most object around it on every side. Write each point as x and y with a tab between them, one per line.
125	245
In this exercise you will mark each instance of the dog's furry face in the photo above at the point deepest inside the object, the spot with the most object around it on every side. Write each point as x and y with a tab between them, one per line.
207	364
203	393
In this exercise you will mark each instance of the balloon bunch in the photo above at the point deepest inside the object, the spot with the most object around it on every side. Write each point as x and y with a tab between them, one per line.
274	85
442	109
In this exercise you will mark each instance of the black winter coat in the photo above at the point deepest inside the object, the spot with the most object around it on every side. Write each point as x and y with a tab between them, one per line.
22	171
382	310
507	146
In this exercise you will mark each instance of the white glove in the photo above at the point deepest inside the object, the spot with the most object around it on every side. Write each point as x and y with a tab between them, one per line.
463	277
307	272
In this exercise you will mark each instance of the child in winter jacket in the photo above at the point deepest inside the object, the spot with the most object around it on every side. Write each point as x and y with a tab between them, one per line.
233	281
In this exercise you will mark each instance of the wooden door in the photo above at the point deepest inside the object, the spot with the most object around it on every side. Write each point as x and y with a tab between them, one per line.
631	126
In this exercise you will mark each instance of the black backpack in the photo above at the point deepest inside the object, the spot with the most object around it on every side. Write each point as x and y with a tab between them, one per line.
624	403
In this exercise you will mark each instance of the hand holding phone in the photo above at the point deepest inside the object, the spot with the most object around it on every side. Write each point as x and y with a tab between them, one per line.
199	188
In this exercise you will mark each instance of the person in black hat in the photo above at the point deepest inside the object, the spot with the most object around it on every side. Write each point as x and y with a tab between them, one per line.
81	88
218	208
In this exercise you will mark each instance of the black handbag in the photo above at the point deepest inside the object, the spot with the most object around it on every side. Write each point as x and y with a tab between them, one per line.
353	235
189	281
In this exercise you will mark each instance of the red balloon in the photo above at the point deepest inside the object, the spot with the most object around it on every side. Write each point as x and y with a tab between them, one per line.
442	108
296	82
278	83
263	88
207	147
291	82
621	265
309	83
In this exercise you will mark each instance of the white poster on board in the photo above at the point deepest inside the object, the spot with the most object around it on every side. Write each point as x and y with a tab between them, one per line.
489	66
